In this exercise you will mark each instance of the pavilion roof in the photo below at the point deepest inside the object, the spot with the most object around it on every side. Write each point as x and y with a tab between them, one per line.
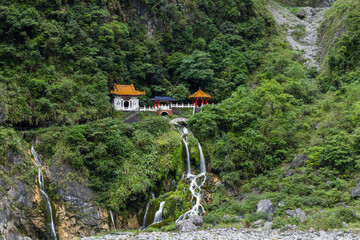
127	90
162	99
200	94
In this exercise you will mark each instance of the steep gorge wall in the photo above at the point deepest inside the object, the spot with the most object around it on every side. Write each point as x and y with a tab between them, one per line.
22	212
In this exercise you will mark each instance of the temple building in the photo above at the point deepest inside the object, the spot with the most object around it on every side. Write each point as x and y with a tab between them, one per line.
125	97
199	95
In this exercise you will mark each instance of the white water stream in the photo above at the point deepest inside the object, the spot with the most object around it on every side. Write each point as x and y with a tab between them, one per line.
43	194
196	181
158	214
112	219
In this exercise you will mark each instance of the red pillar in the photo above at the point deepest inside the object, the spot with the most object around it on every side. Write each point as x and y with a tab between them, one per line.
158	104
154	103
195	102
206	101
169	105
202	101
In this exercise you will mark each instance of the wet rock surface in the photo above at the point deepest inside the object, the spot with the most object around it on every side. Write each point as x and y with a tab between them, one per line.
78	195
232	233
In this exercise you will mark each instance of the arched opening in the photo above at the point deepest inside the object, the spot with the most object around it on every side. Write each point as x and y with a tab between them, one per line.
126	104
164	114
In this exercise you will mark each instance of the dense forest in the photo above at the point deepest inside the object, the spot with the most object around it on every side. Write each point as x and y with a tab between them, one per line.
280	130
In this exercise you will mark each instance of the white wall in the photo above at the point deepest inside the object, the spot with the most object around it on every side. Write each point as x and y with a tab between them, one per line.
120	104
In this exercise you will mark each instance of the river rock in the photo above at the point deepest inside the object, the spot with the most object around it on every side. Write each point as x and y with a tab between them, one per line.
258	223
300	14
355	192
268	225
186	226
197	220
266	206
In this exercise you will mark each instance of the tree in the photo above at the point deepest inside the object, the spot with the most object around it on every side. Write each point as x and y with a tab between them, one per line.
197	70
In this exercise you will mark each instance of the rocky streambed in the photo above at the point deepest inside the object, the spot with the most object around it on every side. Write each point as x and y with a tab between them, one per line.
233	233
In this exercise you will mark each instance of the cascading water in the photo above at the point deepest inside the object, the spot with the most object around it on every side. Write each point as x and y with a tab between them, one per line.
158	214
196	182
202	159
195	188
44	196
143	227
112	219
188	157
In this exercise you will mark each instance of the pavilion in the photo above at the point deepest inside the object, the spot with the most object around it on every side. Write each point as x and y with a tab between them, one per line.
162	109
200	95
125	97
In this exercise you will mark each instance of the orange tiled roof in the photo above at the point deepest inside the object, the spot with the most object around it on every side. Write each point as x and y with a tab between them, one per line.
127	90
200	94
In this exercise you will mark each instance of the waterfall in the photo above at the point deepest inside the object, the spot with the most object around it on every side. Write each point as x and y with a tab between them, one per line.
43	194
143	227
158	214
195	188
188	156
153	195
202	159
112	219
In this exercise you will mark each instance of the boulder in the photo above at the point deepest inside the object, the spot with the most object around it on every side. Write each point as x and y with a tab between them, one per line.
299	160
197	220
266	206
226	218
268	225
300	14
297	213
355	192
289	173
186	226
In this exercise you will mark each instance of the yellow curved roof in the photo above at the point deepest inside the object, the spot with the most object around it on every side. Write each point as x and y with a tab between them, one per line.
127	90
200	94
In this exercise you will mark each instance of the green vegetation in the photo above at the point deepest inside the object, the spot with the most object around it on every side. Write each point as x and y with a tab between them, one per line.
122	162
59	60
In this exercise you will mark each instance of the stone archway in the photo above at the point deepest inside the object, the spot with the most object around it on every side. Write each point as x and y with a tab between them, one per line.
164	114
126	104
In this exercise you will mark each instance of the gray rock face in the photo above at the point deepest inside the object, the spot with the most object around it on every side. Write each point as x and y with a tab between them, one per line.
13	158
300	14
355	192
266	206
197	220
297	213
186	226
82	198
299	160
20	195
